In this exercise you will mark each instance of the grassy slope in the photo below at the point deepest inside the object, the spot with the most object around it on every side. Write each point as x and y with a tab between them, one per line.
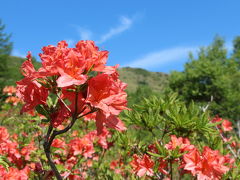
132	76
13	69
135	77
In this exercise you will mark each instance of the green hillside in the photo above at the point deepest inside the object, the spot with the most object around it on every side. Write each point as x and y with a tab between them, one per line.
134	77
13	73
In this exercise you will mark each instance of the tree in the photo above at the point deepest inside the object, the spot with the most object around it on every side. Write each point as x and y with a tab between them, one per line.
211	74
5	51
5	44
236	49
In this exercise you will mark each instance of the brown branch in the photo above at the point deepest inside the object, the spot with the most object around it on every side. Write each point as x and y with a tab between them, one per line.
52	134
47	151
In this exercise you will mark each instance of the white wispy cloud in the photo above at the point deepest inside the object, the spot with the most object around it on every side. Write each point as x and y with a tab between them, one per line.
85	34
161	57
17	53
125	24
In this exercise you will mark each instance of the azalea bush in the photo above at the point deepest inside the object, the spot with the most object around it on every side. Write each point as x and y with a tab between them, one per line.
70	126
176	141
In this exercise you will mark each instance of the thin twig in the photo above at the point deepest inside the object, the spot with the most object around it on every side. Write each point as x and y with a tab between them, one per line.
171	170
228	146
64	103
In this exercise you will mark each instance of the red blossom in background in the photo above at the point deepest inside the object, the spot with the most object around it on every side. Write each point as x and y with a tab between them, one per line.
192	161
226	125
9	90
163	165
13	100
81	146
182	143
3	134
59	143
208	165
142	166
14	173
27	150
19	157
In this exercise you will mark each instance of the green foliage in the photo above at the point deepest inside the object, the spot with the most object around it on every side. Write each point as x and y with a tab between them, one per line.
149	123
5	51
236	49
10	69
211	75
5	44
143	91
137	77
169	115
3	162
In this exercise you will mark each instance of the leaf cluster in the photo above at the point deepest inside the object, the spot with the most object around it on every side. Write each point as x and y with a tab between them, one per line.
169	115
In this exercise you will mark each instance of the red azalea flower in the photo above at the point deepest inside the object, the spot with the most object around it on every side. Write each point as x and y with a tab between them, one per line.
182	143
58	143
226	125
142	166
109	97
81	146
3	134
163	165
209	165
94	58
28	89
192	161
9	90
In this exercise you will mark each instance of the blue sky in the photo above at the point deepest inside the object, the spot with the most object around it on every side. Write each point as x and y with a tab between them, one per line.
152	34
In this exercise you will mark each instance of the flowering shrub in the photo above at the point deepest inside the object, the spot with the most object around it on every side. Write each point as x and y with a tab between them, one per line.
77	75
199	146
73	83
17	156
10	91
70	128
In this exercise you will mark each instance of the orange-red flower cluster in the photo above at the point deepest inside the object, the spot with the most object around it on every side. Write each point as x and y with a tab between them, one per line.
11	92
225	124
208	165
19	157
79	148
66	71
182	143
13	100
14	173
142	166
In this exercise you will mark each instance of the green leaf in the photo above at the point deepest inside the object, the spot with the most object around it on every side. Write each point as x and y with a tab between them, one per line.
60	167
3	162
155	155
41	110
